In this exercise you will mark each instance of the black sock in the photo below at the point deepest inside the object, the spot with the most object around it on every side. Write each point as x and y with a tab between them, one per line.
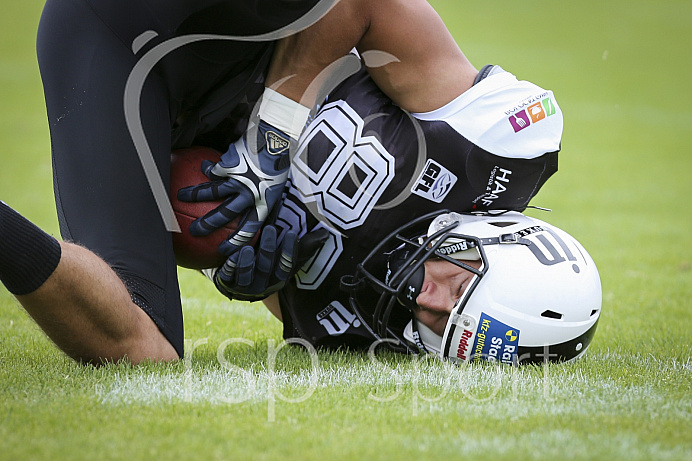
28	256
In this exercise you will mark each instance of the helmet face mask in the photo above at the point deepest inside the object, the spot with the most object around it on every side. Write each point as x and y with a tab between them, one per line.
535	294
392	286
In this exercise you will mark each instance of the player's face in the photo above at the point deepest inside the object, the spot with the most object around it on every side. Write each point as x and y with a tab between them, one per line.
443	285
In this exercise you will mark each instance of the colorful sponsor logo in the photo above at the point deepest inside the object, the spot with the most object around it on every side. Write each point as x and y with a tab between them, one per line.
532	114
435	182
495	341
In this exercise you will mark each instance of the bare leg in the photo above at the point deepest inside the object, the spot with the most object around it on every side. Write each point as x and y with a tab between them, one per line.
428	71
87	311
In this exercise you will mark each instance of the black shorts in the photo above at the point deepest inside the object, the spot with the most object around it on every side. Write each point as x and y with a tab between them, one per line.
87	50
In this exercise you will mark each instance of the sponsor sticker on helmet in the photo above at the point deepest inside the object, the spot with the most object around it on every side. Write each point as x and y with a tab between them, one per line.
495	341
461	345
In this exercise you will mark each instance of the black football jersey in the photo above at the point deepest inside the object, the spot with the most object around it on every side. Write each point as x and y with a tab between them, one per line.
365	167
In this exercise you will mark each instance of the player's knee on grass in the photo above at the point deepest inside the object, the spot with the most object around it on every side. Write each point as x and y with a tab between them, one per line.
164	312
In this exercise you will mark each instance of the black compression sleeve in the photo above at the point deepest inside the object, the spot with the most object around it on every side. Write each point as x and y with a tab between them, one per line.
28	256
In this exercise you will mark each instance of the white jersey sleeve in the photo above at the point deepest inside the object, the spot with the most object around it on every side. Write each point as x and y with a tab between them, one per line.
504	116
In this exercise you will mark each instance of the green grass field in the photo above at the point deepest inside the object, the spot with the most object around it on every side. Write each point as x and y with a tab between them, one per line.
620	72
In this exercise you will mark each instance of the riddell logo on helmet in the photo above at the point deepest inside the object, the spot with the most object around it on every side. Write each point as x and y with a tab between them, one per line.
532	114
454	248
464	345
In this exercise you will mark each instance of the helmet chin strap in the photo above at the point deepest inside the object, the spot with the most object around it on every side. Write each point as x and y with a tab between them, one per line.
423	337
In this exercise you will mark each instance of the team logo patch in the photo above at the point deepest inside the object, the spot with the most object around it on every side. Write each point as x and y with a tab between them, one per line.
435	182
276	144
336	319
533	114
495	341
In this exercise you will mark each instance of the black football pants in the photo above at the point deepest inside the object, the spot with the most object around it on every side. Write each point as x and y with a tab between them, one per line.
87	50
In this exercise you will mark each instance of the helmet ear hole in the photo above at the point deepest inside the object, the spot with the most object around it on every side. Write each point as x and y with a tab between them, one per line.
503	223
552	315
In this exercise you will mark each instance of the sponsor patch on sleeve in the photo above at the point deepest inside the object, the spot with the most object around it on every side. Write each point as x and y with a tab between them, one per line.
495	341
435	182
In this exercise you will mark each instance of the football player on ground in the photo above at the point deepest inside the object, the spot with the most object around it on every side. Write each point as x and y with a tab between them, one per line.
468	140
365	168
127	83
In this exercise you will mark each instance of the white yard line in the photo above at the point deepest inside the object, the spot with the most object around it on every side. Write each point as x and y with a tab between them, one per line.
430	388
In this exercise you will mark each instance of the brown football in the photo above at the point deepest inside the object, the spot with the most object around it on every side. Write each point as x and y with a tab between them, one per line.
195	252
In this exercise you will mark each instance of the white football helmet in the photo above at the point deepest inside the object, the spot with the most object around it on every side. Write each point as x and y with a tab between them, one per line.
535	297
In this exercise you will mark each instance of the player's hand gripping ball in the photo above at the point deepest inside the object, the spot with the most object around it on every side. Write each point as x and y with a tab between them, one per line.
249	274
195	252
250	179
